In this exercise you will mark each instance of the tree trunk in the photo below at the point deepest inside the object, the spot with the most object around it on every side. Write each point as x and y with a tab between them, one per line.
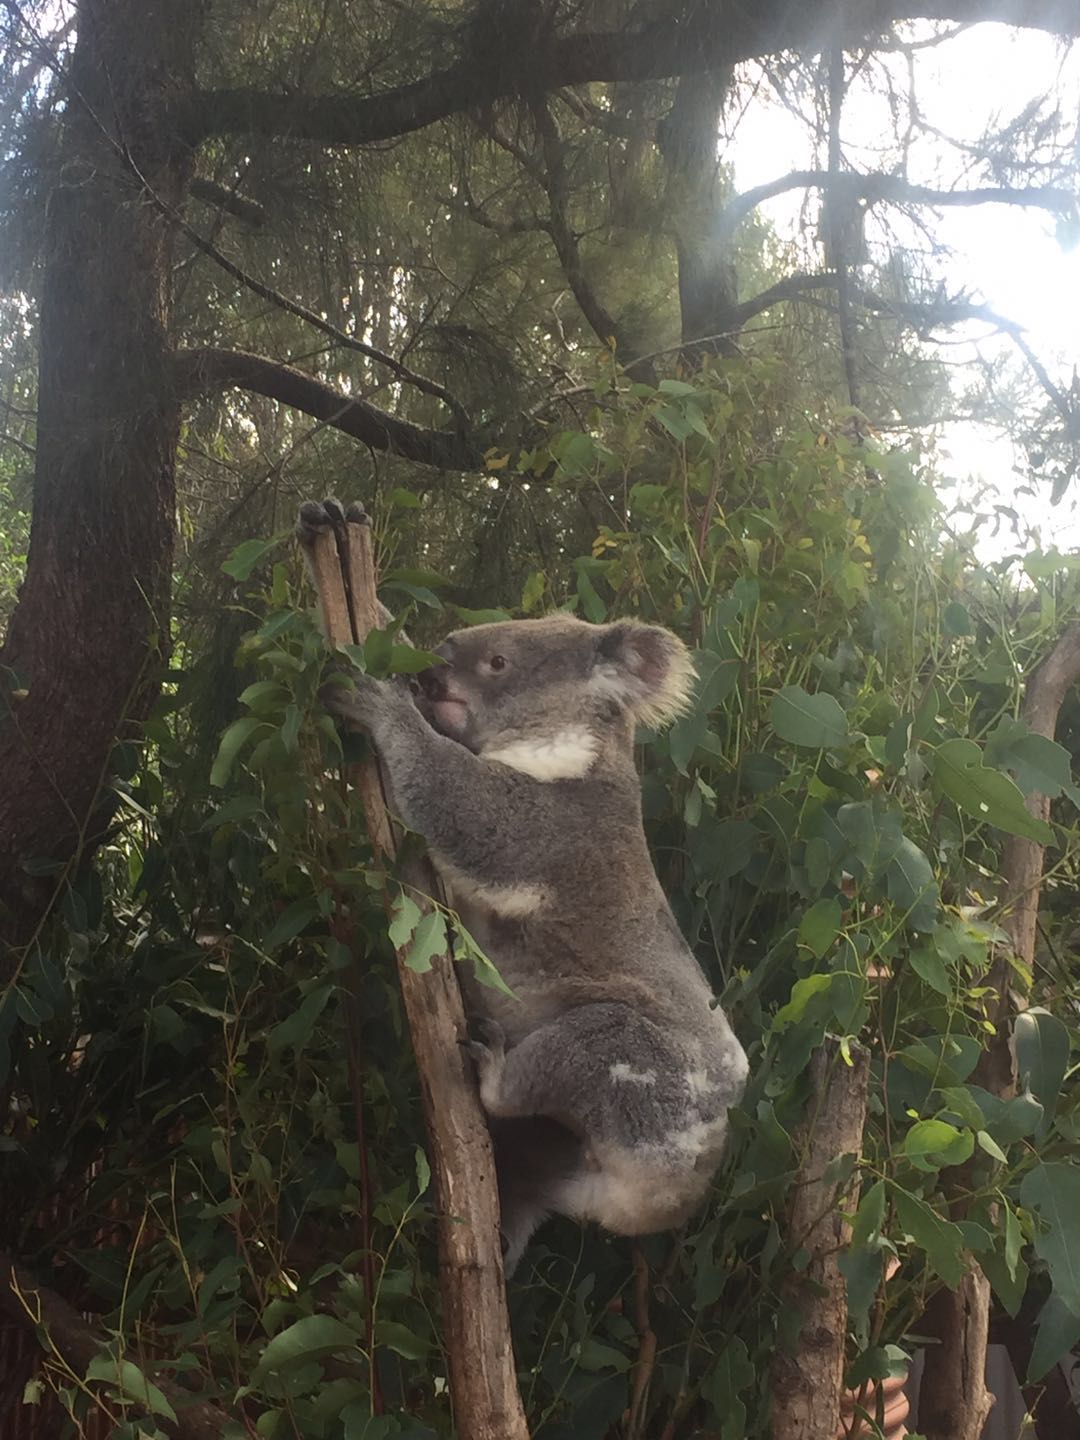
954	1401
92	624
807	1385
688	138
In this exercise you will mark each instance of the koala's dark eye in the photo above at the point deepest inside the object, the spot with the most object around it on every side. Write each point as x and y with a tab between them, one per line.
498	662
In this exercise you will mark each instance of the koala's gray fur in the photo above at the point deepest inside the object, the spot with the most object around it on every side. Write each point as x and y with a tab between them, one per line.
609	1075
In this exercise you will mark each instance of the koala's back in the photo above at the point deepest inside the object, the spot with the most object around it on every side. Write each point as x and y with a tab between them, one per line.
597	939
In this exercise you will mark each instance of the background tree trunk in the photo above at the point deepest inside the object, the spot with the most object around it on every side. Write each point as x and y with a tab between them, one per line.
689	140
92	621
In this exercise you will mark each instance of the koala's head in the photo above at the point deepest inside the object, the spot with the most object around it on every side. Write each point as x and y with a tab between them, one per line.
547	695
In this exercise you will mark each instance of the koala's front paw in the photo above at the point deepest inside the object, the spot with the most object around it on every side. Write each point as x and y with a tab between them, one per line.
359	703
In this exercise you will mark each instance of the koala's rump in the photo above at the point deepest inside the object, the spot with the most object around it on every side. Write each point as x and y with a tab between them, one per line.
648	1104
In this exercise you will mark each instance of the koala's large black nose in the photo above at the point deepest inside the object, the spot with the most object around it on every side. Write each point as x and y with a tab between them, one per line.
432	682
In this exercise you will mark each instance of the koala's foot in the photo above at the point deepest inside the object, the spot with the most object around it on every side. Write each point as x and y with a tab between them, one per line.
487	1046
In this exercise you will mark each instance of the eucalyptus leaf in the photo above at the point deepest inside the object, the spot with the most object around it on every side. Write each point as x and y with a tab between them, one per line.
428	941
1042	1055
810	721
1041	765
1052	1190
126	1377
989	796
820	926
1057	1333
246	557
934	1144
311	1338
912	887
930	968
232	742
294	918
942	1241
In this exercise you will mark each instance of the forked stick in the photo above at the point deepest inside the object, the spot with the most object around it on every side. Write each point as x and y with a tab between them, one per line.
483	1383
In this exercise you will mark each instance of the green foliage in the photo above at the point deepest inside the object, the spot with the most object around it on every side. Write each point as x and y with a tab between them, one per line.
213	1021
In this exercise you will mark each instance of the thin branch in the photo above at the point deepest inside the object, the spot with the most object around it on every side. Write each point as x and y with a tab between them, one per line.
19	444
41	53
921	315
223	198
603	323
210	369
466	204
645	1363
293	307
893	190
1058	397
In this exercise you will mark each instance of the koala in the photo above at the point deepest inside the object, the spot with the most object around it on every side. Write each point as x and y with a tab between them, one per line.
608	1074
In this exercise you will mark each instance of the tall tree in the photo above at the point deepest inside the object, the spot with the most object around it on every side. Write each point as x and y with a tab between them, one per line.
148	91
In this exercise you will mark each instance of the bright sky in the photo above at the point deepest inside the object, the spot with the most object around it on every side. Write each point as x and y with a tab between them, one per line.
1009	258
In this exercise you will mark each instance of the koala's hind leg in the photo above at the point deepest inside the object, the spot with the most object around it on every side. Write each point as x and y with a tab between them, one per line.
534	1159
651	1118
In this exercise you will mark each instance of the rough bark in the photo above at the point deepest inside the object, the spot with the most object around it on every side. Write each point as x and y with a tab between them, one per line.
806	1386
476	1324
93	616
954	1402
953	1399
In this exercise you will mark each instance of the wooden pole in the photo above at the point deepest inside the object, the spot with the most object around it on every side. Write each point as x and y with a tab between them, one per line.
476	1324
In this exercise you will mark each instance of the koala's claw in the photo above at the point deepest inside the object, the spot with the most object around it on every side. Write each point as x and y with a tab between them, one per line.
486	1044
316	516
312	520
345	701
488	1036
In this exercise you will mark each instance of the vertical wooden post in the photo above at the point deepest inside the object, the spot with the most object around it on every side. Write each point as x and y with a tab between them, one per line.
476	1324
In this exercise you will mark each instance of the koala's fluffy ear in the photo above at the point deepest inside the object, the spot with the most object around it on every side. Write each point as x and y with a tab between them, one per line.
645	668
